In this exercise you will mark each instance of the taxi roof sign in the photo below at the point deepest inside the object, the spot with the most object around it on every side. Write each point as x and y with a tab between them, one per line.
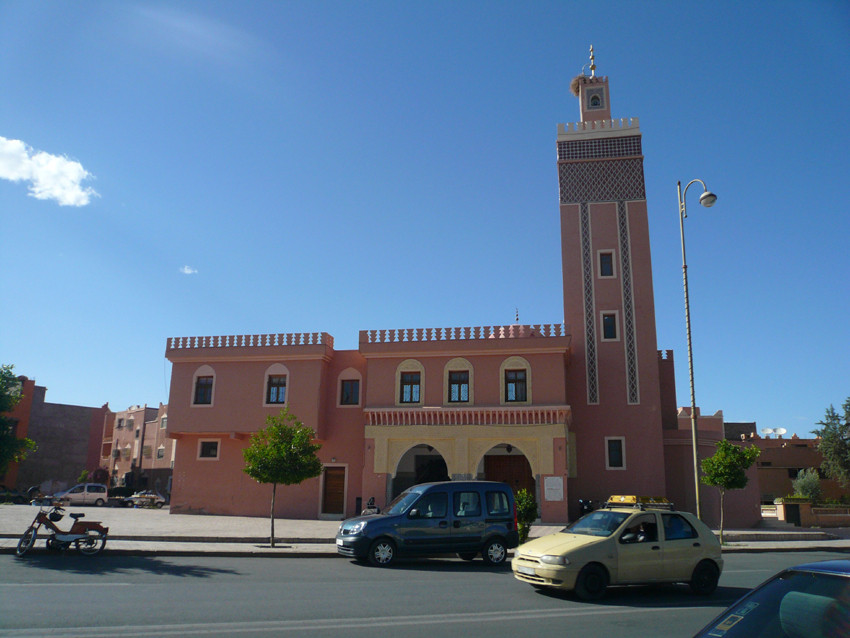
632	500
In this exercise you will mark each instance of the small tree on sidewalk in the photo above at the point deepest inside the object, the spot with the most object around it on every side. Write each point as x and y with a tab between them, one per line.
727	470
284	453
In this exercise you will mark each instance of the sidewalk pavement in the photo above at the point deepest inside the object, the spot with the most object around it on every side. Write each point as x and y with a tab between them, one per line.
157	532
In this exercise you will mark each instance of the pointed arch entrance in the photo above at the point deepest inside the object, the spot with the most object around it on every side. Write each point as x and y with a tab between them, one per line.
420	464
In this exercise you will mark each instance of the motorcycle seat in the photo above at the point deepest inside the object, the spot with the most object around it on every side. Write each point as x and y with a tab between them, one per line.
76	516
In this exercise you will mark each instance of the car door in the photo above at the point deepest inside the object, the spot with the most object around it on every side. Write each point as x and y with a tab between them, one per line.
425	528
682	546
76	495
640	556
468	522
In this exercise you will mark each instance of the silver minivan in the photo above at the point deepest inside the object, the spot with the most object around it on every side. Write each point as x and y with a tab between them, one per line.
85	494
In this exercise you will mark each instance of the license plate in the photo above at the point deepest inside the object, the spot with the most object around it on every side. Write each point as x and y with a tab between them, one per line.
339	542
529	571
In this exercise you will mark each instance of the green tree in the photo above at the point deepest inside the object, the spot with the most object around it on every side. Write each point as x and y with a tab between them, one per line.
526	513
834	444
727	470
12	449
284	453
807	484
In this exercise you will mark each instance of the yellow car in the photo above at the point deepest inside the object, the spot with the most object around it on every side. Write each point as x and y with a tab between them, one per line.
632	540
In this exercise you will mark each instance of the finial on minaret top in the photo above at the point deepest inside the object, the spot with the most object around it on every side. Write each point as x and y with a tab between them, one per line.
592	92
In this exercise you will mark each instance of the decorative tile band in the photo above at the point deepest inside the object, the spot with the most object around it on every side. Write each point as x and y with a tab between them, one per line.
629	330
601	181
599	148
589	313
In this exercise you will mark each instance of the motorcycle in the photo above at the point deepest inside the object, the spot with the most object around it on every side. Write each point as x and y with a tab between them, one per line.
89	537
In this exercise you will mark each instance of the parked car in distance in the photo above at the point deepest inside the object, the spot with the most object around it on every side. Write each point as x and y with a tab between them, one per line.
84	494
9	495
807	600
632	540
463	517
146	498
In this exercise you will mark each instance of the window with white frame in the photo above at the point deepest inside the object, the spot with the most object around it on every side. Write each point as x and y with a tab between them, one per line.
203	387
410	383
208	449
276	381
606	264
349	388
458	382
610	326
615	453
515	381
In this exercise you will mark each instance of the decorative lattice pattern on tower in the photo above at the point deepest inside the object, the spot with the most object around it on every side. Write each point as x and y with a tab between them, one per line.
589	313
601	181
599	148
629	331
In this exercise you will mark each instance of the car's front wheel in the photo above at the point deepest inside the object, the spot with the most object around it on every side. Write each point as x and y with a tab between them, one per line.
382	552
495	552
705	577
592	582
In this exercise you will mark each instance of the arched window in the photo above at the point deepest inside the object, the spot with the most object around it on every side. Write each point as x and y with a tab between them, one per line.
410	383
458	382
515	375
349	388
275	385
203	387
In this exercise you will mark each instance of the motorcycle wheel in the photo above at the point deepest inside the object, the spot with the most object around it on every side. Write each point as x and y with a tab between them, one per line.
26	542
92	544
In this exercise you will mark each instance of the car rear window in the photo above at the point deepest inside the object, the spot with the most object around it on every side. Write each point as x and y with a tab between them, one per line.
498	504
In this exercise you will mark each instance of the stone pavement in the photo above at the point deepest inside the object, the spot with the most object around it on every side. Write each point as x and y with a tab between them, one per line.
151	531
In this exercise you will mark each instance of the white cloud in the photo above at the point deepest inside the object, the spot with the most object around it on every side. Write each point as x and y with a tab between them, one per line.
50	176
188	270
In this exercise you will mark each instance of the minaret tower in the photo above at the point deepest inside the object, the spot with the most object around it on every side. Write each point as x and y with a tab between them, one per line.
613	379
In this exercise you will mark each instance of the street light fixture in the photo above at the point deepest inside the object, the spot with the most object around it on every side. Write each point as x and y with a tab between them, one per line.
707	199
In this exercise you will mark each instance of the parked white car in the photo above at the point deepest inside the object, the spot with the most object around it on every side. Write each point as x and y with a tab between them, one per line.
85	494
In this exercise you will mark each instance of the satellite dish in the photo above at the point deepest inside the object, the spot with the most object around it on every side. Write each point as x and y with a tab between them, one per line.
780	431
767	430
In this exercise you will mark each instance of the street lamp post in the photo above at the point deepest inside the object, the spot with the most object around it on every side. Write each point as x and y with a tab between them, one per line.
707	199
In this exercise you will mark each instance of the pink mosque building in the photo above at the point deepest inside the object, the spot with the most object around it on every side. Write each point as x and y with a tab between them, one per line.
582	409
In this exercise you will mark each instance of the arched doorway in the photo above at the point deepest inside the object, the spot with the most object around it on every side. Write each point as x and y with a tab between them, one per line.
506	464
420	464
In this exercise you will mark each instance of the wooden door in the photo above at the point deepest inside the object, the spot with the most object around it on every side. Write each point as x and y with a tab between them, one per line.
513	470
333	498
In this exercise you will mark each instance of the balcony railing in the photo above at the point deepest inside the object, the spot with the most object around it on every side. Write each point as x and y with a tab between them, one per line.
497	415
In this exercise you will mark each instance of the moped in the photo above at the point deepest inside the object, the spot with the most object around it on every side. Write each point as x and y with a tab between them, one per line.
88	536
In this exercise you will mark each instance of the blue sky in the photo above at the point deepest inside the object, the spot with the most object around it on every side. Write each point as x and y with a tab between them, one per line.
210	168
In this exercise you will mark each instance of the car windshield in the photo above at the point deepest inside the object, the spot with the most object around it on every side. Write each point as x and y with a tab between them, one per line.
795	603
401	503
598	523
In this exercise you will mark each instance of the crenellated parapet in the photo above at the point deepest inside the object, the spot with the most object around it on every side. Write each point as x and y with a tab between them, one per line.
251	341
424	335
611	128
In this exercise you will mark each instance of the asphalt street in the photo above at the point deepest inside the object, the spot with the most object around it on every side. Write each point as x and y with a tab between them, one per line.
150	596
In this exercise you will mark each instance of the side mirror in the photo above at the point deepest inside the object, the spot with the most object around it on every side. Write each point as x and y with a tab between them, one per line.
414	513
